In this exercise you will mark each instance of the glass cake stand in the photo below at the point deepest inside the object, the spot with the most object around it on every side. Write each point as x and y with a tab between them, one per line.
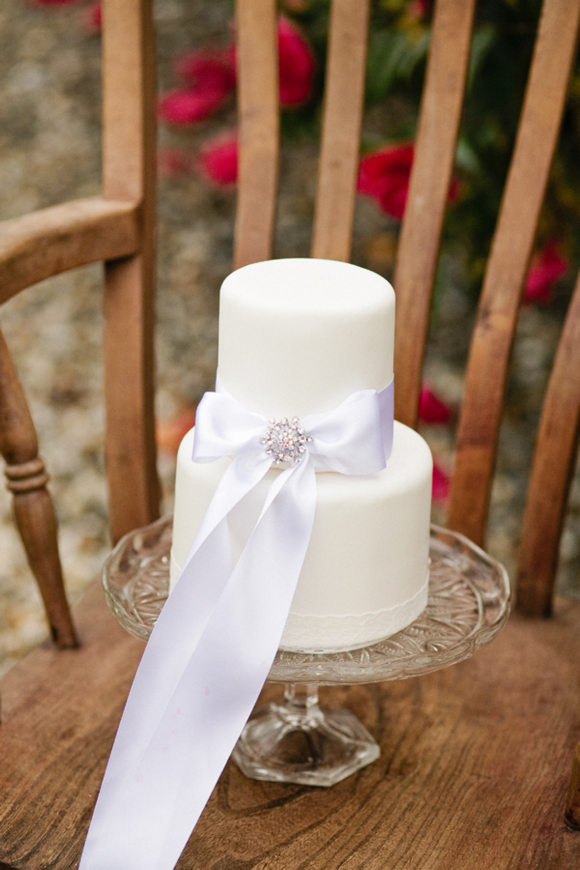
297	741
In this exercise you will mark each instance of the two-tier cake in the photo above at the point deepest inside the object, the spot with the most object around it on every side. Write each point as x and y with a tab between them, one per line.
298	337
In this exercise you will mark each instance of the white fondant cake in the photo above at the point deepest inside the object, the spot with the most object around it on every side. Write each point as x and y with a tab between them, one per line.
298	337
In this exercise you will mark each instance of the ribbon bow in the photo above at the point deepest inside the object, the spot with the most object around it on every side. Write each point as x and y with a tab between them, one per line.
218	633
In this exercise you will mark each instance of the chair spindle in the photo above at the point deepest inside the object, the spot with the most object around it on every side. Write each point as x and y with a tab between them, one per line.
507	265
32	504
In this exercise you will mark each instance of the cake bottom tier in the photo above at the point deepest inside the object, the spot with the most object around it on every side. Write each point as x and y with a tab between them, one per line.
365	575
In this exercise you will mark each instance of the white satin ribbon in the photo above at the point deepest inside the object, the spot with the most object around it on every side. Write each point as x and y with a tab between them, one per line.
218	633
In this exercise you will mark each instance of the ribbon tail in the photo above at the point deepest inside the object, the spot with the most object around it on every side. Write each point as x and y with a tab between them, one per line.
174	638
157	802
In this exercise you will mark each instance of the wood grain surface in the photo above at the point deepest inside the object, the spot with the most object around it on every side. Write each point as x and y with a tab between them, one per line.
258	130
473	773
341	126
129	146
32	505
53	240
60	710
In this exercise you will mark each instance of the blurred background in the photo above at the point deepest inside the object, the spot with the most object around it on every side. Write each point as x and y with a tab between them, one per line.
50	152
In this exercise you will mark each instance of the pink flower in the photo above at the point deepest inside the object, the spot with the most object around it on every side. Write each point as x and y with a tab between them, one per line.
419	8
188	107
385	176
431	408
209	71
218	160
212	79
441	484
546	267
93	21
297	64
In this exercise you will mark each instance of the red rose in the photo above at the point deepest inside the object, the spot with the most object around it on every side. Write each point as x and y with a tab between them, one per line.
419	9
441	484
297	64
546	267
212	80
93	18
431	408
209	71
187	107
218	160
384	176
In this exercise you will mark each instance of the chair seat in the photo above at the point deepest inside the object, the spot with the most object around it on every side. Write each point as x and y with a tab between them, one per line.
473	773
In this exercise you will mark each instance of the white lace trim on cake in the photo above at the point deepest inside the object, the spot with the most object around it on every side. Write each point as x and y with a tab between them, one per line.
311	633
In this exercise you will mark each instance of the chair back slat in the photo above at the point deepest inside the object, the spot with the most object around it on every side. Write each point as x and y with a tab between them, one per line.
129	139
342	118
129	173
552	468
419	241
258	130
509	258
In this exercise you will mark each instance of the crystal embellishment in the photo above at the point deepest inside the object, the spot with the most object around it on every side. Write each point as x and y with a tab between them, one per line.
285	440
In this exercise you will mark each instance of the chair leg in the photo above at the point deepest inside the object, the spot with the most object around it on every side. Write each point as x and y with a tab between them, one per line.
33	507
572	814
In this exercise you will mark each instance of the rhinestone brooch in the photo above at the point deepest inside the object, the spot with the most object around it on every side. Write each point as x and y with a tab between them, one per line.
285	440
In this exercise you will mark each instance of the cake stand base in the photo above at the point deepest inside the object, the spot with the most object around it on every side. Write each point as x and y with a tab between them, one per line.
298	742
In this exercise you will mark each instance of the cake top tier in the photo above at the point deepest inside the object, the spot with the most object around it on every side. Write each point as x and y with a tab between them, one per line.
298	336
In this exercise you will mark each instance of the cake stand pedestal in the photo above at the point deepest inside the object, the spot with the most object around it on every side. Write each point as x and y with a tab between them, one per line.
296	740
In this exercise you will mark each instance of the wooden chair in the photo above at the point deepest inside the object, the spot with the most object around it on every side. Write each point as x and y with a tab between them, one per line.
476	760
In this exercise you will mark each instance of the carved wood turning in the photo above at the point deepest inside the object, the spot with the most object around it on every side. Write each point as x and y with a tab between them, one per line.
32	504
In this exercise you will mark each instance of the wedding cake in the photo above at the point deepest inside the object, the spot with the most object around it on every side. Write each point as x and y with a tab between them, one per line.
298	337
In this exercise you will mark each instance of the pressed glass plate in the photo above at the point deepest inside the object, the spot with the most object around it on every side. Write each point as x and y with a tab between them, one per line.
297	741
467	606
